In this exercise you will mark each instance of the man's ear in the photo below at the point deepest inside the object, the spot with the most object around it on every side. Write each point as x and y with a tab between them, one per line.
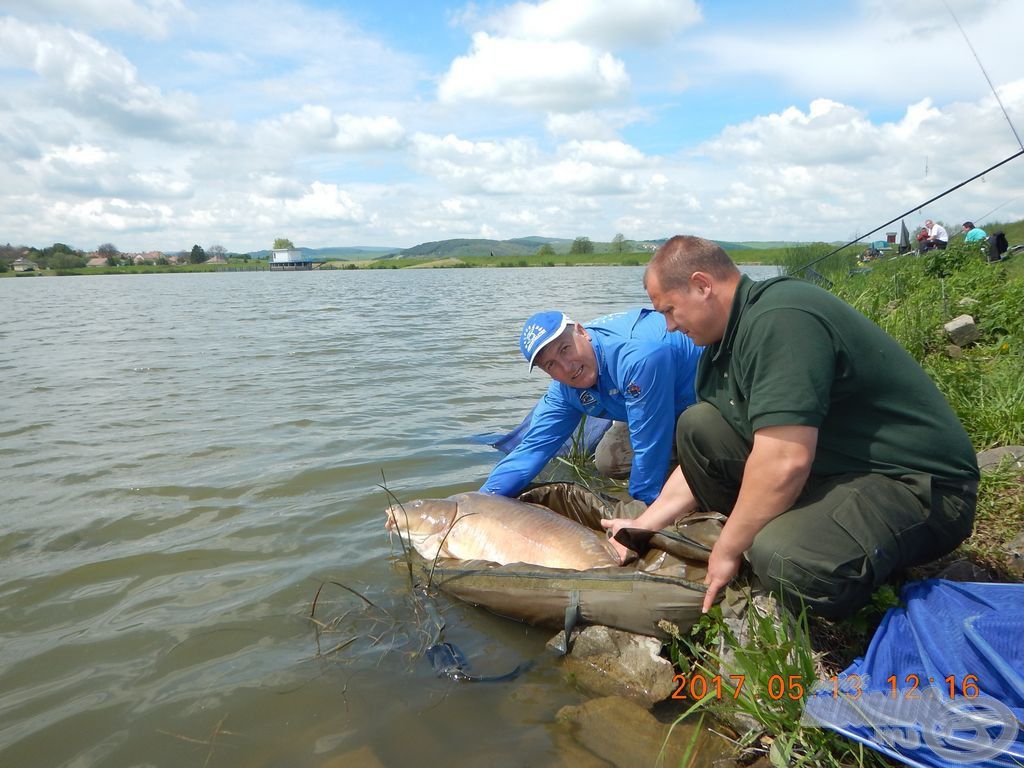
581	330
702	283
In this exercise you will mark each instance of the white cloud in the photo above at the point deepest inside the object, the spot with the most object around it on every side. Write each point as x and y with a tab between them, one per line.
314	128
91	80
151	19
605	124
325	202
890	53
614	154
604	23
540	74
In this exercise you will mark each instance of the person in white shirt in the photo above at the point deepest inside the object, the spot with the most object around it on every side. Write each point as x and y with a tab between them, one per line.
938	237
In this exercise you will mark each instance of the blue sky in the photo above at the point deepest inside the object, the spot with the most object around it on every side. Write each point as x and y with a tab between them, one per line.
156	124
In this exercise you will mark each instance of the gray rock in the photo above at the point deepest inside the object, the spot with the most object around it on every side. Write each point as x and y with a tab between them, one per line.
962	330
993	457
1016	558
610	662
954	351
965	570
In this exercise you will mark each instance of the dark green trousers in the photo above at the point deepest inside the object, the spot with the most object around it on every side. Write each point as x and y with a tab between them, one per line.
844	535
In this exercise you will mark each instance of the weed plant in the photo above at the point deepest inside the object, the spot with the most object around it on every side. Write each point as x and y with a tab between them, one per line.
765	681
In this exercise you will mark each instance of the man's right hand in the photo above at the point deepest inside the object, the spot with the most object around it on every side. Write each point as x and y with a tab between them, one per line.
613	526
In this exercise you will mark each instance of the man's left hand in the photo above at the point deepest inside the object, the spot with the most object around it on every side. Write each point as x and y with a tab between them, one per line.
721	570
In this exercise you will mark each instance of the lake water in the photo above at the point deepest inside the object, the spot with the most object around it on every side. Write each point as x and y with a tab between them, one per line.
186	459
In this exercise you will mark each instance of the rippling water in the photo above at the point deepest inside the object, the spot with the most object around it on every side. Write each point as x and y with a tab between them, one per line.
186	459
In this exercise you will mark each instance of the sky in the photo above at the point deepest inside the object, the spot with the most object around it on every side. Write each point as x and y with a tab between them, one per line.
160	124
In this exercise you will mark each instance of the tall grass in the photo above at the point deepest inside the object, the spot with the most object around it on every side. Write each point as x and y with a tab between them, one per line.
766	678
911	298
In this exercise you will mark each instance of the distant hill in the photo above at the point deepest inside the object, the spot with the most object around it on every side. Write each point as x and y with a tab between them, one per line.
347	253
523	246
517	246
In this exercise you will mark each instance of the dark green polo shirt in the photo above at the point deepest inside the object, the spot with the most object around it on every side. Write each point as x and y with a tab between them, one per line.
794	354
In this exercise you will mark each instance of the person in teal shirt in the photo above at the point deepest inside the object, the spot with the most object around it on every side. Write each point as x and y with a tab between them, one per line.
974	234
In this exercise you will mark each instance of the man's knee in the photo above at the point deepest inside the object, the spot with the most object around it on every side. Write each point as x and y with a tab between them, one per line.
831	590
613	456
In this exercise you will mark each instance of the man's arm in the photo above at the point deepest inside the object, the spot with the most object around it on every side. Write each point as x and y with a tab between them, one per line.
775	474
648	388
553	421
674	501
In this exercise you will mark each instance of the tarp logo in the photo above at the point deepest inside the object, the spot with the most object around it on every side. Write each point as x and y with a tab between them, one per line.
959	730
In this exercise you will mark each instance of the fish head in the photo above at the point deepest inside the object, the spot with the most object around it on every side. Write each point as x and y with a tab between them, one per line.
423	519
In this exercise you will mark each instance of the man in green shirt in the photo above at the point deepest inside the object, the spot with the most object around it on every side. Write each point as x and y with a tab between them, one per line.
835	457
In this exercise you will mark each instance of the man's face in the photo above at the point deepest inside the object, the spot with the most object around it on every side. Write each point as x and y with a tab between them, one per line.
570	359
688	309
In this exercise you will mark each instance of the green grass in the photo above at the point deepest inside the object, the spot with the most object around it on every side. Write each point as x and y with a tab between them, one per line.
765	679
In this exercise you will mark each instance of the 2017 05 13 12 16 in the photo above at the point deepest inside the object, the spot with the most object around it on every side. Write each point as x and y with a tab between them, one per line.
698	686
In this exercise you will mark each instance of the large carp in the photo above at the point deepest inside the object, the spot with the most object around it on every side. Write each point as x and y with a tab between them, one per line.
479	526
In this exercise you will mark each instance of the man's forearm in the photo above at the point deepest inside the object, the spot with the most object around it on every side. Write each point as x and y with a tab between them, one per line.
674	501
775	474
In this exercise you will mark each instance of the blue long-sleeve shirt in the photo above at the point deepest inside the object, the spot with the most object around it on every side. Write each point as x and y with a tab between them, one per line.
645	378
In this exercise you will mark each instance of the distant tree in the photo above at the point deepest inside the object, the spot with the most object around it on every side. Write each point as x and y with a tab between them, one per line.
283	242
108	250
619	243
198	255
113	261
582	245
217	250
546	250
66	261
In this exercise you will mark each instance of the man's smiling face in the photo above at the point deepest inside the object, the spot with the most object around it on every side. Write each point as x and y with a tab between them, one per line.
570	358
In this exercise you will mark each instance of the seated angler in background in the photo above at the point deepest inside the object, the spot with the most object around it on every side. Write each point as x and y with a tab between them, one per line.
973	234
938	237
626	367
834	455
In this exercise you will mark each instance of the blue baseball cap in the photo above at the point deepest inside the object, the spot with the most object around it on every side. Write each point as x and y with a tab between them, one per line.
541	329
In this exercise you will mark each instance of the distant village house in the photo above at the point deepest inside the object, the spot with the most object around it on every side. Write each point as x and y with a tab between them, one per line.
21	264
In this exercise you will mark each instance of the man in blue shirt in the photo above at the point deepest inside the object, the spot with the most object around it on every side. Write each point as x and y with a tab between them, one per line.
973	234
627	367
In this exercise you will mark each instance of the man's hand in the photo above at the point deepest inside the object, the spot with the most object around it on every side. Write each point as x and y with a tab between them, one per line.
613	526
721	570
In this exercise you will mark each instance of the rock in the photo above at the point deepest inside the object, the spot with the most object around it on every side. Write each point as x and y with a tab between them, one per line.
967	301
993	457
1016	559
954	351
609	661
625	734
965	570
962	330
363	756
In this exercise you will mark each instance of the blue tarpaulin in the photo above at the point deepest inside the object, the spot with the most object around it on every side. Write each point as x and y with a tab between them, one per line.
593	431
942	681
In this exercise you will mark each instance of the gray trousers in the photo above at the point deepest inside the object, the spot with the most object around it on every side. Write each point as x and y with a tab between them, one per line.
845	534
613	455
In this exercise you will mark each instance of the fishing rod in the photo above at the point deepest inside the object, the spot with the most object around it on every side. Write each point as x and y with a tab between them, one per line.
951	189
915	208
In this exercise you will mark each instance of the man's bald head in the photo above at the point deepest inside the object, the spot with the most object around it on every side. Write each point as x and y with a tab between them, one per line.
681	256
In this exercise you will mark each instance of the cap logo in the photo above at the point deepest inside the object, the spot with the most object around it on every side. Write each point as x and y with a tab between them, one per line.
531	335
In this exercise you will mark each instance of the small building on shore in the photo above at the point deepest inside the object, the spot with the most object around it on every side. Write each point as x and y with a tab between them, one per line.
289	258
21	264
